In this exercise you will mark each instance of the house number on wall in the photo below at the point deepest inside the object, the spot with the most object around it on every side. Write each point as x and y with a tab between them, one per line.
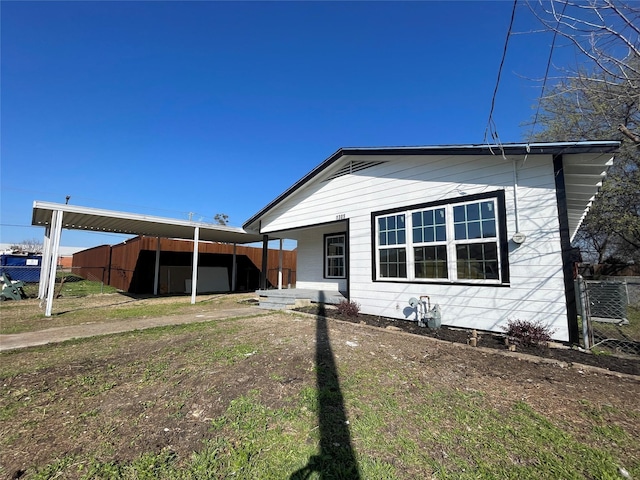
341	216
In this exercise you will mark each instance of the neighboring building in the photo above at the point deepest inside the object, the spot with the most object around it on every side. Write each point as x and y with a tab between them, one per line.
484	231
130	266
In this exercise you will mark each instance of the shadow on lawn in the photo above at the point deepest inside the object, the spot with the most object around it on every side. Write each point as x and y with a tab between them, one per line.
336	458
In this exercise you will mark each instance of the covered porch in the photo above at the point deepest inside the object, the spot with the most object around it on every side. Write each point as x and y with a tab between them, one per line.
297	297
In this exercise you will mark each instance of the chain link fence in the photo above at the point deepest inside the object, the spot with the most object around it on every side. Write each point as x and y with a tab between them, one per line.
610	313
24	273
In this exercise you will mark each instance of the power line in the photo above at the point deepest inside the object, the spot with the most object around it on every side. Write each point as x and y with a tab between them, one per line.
546	72
491	126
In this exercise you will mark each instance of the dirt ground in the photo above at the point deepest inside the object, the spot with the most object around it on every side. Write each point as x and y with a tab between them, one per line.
133	415
629	364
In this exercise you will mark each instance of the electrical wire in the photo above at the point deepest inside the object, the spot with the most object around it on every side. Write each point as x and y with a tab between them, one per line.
491	126
546	73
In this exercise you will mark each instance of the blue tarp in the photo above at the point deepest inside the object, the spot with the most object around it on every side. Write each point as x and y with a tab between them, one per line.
21	267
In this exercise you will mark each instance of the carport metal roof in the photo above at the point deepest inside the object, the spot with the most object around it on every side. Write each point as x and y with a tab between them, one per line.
109	221
55	217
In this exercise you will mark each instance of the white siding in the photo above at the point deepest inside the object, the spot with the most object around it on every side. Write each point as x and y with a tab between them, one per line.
536	290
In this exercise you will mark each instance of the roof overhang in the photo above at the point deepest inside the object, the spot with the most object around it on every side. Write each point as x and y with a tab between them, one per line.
109	221
584	166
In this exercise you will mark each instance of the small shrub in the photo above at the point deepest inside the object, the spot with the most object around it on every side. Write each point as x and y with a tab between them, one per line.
349	309
527	333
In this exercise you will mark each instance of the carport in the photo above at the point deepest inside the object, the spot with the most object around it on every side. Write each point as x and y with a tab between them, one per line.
55	217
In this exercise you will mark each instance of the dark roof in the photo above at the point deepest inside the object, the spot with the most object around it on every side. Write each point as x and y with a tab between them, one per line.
558	148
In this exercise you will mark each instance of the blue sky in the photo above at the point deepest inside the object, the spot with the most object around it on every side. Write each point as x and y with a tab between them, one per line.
166	108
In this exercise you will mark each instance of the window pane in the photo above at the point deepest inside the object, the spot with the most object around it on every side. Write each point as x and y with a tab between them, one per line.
458	214
382	238
391	223
401	237
473	212
431	262
490	250
487	210
488	228
477	261
335	248
460	231
384	270
393	263
428	217
335	256
429	226
391	237
473	230
429	235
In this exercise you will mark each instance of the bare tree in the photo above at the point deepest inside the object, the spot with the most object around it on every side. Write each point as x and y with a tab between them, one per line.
604	32
31	246
599	99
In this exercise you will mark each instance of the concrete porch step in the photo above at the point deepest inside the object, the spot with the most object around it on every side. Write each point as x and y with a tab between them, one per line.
295	298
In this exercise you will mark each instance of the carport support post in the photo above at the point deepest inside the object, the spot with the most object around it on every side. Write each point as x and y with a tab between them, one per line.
265	253
46	263
234	269
194	273
280	266
56	220
156	274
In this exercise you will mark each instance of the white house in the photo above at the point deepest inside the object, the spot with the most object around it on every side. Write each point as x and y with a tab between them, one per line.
483	231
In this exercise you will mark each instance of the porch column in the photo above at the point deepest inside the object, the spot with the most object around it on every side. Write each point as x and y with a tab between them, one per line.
280	266
56	221
156	274
46	264
234	269
194	273
265	253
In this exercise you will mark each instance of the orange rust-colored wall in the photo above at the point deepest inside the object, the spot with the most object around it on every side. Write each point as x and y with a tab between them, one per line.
65	261
92	263
123	258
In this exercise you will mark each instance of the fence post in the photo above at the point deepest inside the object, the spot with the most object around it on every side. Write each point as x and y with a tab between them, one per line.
582	302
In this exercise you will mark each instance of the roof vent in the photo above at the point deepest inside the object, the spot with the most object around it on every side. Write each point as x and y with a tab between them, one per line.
353	166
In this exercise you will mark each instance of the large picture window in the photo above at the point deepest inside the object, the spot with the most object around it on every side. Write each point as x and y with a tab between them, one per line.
335	256
462	240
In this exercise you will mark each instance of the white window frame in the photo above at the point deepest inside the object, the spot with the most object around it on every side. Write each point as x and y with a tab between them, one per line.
450	242
327	257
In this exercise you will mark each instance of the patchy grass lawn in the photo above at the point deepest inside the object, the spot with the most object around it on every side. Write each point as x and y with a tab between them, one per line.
77	306
289	396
